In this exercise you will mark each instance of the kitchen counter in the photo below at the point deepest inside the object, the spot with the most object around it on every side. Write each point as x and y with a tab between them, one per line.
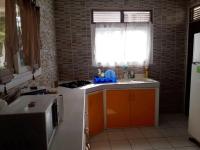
122	84
70	133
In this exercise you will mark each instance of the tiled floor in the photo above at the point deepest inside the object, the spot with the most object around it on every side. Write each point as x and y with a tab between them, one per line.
170	135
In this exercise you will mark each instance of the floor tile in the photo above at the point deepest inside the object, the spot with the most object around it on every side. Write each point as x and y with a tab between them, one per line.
132	133
120	145
141	144
180	142
188	148
151	132
172	134
102	137
160	143
115	130
100	146
115	136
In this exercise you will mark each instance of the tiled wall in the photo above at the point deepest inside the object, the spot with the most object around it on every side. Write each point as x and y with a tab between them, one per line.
48	47
73	41
194	2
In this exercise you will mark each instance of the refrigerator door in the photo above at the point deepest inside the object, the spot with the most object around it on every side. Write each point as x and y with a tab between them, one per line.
194	118
196	48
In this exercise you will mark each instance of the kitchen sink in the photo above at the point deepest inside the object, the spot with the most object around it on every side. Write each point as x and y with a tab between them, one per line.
141	80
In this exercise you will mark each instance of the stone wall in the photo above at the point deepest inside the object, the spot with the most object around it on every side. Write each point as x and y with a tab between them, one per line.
48	40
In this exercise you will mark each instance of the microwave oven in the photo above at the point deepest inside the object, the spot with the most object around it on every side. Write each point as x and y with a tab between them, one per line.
30	123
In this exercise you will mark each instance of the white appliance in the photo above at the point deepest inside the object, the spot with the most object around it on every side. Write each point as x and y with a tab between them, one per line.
29	123
194	111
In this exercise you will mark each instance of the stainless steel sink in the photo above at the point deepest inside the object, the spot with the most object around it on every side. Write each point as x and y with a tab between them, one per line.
132	81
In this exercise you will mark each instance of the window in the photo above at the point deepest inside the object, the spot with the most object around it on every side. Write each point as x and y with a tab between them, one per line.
21	51
106	16
2	34
19	60
195	13
122	44
121	38
19	57
137	16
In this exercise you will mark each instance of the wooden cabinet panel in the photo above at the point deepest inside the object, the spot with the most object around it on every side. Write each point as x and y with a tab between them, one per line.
95	113
118	108
142	107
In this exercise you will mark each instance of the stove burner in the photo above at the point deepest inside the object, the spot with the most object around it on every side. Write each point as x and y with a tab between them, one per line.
75	84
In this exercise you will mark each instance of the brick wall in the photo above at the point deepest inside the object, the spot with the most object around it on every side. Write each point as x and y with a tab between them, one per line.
194	2
73	41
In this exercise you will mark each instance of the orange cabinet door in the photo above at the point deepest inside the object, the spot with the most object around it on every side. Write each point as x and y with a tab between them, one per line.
142	107
95	113
118	108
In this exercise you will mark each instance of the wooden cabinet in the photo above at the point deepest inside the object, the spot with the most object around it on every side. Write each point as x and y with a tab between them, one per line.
95	113
128	108
142	107
118	108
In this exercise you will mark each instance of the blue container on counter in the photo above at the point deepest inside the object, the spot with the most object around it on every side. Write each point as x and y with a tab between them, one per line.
109	77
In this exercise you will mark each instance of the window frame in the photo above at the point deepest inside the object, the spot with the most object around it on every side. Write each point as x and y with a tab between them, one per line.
192	13
121	14
23	73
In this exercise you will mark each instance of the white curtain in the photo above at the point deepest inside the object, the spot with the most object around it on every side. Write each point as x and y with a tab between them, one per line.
122	44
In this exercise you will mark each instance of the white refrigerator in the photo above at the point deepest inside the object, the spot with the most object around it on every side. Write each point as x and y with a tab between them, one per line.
194	110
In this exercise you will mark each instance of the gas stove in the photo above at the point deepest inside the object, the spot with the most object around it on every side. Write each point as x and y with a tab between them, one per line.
75	84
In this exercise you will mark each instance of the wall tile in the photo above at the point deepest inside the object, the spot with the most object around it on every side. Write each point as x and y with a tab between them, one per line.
73	18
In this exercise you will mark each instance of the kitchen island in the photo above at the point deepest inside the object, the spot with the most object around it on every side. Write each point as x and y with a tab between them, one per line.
71	132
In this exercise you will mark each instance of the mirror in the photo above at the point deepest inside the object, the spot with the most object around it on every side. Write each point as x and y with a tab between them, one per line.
2	34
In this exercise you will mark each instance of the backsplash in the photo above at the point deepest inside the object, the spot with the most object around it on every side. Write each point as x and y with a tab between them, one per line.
73	41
